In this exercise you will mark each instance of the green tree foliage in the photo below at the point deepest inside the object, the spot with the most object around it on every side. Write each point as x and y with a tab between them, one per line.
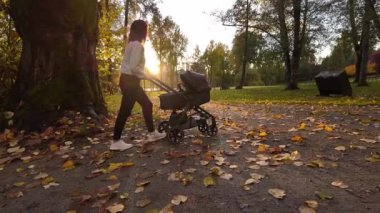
169	44
198	62
255	48
287	25
178	44
111	43
10	49
342	54
215	58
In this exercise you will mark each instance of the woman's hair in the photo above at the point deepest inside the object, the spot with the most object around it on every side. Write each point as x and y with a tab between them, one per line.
139	31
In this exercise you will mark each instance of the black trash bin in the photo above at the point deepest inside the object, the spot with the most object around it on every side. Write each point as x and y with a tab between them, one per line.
333	83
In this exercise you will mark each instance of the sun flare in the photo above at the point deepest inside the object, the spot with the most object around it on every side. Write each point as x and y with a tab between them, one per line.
151	62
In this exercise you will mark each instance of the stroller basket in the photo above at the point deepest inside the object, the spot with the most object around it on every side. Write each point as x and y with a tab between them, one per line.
181	99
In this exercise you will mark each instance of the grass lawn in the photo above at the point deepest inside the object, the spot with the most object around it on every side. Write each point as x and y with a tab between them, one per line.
308	94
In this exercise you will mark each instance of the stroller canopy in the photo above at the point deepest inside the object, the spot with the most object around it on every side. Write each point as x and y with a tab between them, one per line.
195	82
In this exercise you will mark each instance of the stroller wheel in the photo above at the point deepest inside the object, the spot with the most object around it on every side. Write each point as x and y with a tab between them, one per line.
203	127
176	136
162	126
212	130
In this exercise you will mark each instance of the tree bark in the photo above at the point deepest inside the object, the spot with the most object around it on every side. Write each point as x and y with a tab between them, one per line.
285	44
374	16
243	74
292	84
354	38
58	66
126	17
364	45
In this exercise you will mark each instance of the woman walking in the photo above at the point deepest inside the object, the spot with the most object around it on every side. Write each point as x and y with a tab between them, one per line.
132	71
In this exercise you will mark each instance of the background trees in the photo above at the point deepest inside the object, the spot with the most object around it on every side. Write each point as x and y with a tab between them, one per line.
276	41
10	49
169	44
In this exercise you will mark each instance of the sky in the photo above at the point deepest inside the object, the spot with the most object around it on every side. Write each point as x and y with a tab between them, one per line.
196	23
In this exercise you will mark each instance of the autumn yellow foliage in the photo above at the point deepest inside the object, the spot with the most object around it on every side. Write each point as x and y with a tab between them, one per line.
351	69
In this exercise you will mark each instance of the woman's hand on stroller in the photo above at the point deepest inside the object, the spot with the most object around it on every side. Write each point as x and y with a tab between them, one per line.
147	76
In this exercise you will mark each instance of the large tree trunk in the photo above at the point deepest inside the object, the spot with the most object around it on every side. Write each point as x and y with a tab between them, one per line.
292	84
58	67
285	44
364	43
354	38
245	59
374	16
126	18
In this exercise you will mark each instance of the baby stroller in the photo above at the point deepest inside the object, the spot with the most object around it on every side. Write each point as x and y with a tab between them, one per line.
185	105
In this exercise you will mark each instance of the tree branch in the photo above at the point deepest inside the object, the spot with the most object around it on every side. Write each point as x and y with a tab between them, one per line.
255	27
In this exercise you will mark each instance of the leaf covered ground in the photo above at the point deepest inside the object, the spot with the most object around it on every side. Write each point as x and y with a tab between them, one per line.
266	158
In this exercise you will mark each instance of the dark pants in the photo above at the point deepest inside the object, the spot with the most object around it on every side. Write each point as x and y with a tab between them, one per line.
132	92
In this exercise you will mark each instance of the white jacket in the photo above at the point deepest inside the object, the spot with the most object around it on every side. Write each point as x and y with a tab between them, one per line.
133	60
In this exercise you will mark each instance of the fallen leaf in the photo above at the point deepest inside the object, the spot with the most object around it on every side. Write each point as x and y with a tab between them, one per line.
16	149
277	193
115	208
40	176
142	203
263	134
262	163
208	181
139	189
261	148
18	184
190	170
226	176
15	194
112	177
316	163
323	195
340	184
68	165
302	126
204	163
297	139
178	199
328	129
216	170
197	141
8	115
167	209
113	187
369	140
50	185
306	209
164	162
53	147
255	167
312	204
340	148
375	157
250	134
115	166
295	155
124	195
143	183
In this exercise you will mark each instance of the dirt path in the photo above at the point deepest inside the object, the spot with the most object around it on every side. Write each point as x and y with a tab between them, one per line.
301	150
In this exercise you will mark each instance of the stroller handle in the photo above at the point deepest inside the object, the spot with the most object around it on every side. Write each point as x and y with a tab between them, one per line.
160	84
